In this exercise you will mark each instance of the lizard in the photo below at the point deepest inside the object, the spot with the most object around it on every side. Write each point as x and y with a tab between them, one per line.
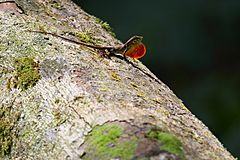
133	47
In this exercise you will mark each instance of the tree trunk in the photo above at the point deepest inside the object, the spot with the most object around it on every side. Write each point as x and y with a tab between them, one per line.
61	100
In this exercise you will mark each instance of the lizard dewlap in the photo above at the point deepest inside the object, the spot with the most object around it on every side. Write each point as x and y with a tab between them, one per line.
136	51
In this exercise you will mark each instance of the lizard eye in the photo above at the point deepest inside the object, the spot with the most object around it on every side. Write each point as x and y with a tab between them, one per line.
136	51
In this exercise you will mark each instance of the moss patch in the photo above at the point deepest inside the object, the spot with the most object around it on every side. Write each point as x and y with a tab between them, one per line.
105	143
168	142
105	26
8	119
122	140
85	37
27	72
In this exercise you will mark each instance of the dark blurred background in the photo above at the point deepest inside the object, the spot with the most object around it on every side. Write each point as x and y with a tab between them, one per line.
193	47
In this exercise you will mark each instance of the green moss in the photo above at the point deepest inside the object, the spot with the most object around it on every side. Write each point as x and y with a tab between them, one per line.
27	73
85	37
8	119
105	26
104	143
168	142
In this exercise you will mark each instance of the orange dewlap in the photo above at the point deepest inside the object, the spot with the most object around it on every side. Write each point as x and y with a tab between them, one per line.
136	51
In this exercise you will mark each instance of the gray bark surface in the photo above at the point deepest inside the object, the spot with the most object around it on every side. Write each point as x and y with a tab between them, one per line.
72	89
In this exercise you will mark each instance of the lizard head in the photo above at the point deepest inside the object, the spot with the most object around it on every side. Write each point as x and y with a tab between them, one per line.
134	40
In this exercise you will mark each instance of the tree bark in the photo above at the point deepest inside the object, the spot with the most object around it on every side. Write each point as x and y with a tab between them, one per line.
60	100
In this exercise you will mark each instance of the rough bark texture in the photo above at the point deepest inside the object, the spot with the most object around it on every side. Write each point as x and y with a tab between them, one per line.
60	100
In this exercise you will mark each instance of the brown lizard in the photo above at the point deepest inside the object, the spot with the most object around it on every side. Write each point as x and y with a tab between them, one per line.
133	48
